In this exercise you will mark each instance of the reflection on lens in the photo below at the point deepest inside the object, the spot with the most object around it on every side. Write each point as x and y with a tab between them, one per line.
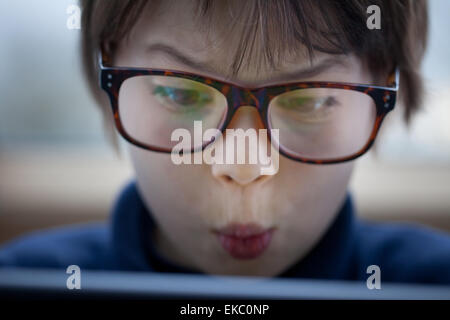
322	123
152	107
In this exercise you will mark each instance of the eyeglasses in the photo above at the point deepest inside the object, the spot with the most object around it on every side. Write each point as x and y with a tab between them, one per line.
318	122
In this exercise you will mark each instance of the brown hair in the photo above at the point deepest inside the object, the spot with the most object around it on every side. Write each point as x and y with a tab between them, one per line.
337	27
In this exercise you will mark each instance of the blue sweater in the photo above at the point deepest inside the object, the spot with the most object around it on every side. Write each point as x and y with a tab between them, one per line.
404	253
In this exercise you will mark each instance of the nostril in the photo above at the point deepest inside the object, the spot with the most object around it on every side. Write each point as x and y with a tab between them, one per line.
227	178
258	178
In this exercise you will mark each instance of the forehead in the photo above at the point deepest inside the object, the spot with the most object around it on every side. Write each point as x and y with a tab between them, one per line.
226	39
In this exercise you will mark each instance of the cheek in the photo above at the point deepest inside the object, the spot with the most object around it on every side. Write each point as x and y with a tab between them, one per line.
309	195
170	188
312	181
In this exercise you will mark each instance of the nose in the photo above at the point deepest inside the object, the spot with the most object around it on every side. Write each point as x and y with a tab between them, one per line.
249	172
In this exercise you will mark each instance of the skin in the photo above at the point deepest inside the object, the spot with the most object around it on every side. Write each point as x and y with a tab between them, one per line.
187	201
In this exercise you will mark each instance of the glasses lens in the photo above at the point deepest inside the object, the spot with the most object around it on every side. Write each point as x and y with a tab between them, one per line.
152	107
322	123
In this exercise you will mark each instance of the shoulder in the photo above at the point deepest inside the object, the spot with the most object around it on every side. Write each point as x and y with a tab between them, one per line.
404	252
84	245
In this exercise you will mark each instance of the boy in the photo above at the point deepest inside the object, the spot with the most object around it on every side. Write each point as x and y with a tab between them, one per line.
311	71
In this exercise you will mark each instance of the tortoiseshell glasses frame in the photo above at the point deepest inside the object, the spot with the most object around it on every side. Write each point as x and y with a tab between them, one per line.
111	79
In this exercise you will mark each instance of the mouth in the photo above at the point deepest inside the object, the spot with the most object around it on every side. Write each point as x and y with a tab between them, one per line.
244	241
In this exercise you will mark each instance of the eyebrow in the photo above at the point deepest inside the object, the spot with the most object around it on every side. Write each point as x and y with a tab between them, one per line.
307	72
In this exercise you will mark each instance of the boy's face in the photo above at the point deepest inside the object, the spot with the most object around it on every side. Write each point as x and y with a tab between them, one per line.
188	202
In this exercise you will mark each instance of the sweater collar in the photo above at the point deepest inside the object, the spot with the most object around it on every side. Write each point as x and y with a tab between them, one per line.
132	230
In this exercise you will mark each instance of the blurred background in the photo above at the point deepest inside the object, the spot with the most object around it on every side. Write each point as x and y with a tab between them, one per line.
57	168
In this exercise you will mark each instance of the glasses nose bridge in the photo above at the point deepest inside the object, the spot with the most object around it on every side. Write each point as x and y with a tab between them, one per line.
247	98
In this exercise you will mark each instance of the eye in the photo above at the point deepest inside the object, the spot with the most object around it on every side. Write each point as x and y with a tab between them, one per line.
182	97
312	107
330	101
307	104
